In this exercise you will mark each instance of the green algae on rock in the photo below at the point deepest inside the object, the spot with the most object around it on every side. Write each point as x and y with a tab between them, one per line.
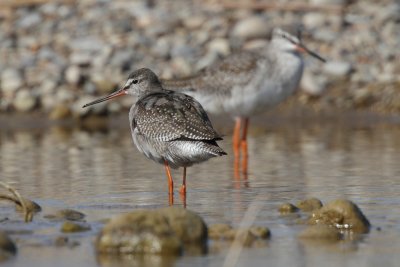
323	232
187	225
247	236
162	231
286	208
309	204
66	214
342	214
74	227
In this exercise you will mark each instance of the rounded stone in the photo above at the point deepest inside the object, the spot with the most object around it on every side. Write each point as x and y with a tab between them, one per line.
220	46
312	84
73	74
139	232
11	80
25	100
309	204
337	68
74	227
251	27
187	225
60	112
66	214
342	214
320	232
286	208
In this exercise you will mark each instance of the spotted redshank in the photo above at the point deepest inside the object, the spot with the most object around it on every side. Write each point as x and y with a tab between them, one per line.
168	127
247	83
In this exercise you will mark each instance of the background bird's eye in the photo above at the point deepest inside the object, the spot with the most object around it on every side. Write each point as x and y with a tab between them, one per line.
135	81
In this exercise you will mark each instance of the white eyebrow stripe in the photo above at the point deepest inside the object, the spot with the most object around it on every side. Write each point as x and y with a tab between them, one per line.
129	82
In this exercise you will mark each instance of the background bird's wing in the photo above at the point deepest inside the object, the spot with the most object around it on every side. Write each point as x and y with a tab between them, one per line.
169	116
234	70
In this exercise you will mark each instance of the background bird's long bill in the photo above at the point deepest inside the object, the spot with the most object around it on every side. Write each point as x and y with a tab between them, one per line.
113	95
302	48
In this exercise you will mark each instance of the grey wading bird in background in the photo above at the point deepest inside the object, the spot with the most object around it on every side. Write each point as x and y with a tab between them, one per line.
247	83
168	127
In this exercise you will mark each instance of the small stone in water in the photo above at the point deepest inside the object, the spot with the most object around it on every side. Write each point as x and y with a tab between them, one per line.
287	208
73	227
309	204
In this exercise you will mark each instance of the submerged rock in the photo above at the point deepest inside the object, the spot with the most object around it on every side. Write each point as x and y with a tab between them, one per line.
342	214
66	214
187	225
309	204
163	231
246	236
322	232
73	227
286	208
7	247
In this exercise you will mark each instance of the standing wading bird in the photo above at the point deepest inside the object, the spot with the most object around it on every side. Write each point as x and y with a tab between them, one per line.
247	83
168	127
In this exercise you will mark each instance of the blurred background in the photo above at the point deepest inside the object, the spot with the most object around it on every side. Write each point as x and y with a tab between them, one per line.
57	55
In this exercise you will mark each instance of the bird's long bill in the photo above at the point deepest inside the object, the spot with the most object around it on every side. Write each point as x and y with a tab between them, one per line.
118	93
304	49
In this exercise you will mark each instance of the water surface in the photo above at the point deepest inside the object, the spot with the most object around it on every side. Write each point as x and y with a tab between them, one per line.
100	173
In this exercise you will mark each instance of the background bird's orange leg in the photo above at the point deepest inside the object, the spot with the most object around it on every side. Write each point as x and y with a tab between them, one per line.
182	190
243	144
236	147
170	183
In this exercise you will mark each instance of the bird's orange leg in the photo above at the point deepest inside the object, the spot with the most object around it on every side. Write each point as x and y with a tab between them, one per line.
243	144
170	184
182	190
236	147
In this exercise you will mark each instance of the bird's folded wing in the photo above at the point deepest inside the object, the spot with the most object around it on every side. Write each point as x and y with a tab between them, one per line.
171	116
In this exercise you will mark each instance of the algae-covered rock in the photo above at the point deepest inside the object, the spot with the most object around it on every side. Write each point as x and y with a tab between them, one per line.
187	225
342	214
142	231
320	232
309	204
221	231
74	227
7	247
246	236
66	214
286	208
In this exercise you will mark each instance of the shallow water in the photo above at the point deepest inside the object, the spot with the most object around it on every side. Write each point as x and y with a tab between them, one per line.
100	173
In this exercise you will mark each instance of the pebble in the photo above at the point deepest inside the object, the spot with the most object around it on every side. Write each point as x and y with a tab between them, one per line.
312	84
11	80
337	68
74	227
25	100
313	20
287	208
73	75
66	214
251	27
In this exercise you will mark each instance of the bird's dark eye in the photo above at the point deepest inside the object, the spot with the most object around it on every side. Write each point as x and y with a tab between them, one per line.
135	81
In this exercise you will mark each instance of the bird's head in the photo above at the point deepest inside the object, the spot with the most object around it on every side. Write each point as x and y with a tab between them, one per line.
284	41
139	83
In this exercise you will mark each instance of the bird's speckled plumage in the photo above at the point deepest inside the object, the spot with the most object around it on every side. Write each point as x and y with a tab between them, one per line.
174	127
